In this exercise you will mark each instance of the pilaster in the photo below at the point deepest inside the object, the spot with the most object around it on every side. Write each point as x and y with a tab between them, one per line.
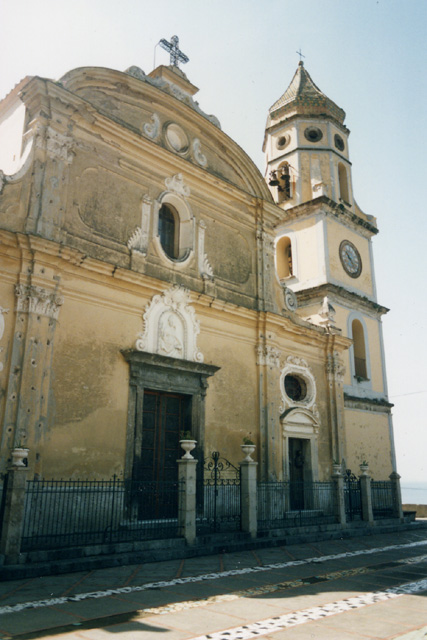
249	505
13	517
187	499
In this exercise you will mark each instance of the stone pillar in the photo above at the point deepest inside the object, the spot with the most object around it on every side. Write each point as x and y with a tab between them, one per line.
366	497
13	517
339	497
397	495
187	499
248	489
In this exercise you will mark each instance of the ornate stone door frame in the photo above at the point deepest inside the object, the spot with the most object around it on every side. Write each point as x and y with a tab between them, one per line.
301	424
153	371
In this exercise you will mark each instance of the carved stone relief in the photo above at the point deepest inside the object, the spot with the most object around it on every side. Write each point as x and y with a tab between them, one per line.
205	268
289	298
139	239
268	355
170	326
176	184
199	157
335	368
152	129
33	299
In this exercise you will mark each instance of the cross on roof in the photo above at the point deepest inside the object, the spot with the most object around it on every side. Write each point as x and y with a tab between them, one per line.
175	54
301	56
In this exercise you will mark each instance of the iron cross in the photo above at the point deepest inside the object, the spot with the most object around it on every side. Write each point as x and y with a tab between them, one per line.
175	54
301	56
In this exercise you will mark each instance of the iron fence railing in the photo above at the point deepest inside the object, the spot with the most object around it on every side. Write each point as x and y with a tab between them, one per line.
65	513
352	496
221	510
295	504
383	499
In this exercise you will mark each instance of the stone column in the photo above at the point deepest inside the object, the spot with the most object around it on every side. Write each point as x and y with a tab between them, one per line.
13	517
187	499
248	489
397	495
339	497
366	497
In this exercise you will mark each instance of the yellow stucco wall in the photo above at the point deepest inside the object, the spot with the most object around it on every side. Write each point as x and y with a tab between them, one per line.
336	234
367	438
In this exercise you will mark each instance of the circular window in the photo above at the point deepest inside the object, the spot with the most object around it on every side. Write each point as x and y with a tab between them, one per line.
313	134
295	387
177	138
339	142
282	142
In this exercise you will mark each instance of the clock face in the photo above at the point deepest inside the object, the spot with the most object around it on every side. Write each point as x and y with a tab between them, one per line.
350	259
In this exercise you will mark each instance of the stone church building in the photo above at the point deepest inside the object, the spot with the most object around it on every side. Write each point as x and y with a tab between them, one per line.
153	282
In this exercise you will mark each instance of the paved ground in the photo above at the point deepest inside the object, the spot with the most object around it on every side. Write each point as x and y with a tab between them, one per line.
367	587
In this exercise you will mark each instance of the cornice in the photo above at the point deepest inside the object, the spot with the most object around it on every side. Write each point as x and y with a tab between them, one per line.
298	116
354	300
328	207
367	404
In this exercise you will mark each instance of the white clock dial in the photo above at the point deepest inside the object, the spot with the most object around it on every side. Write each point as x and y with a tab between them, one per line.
350	259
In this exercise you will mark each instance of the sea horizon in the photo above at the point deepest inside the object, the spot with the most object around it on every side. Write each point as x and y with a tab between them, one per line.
413	492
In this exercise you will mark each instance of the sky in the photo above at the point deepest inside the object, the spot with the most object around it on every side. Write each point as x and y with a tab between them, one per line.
368	56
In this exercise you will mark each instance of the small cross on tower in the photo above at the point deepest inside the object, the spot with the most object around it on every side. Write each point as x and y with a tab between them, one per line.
301	56
176	55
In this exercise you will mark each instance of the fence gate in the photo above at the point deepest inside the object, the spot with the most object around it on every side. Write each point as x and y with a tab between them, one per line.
353	500
219	509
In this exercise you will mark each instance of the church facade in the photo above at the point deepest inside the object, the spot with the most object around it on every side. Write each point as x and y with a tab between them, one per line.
154	283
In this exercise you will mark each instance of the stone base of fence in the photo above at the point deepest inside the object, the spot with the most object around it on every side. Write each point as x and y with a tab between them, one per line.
13	515
366	498
187	499
248	488
339	497
395	480
72	506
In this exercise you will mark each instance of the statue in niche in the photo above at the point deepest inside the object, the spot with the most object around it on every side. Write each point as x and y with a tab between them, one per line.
170	336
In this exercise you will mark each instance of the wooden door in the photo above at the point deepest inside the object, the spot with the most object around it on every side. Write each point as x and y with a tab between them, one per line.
164	417
296	473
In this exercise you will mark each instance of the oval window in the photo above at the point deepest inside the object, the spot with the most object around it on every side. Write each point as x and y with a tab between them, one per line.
169	230
313	134
282	142
339	142
295	387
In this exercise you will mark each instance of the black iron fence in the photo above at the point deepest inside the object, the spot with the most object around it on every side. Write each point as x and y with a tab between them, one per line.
65	513
220	507
383	499
295	504
352	496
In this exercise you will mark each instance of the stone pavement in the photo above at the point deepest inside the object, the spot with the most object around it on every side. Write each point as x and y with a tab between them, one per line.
366	587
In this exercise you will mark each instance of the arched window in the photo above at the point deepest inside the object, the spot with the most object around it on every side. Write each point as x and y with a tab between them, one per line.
284	258
169	230
342	177
359	350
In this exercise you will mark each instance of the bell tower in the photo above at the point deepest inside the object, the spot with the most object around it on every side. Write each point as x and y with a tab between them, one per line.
306	146
324	251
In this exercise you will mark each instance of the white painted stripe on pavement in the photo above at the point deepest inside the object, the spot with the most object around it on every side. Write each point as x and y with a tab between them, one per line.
271	625
50	602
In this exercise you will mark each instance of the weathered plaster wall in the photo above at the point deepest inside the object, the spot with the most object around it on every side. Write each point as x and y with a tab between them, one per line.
367	438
